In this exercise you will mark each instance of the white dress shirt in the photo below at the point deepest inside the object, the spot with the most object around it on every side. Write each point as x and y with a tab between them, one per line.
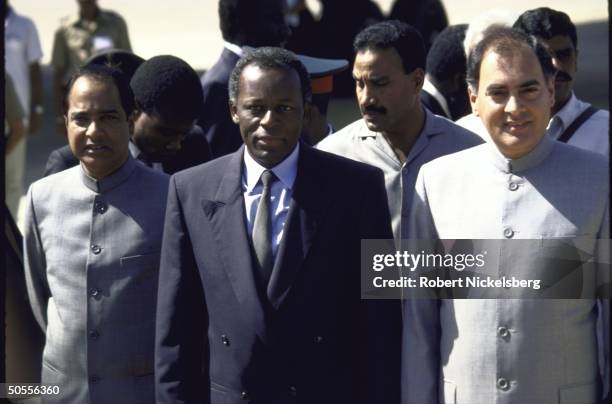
280	193
591	135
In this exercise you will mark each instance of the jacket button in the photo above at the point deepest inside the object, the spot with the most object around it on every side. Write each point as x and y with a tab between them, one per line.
96	249
292	391
94	379
503	331
94	334
513	186
94	292
508	232
244	395
503	383
225	340
100	207
318	339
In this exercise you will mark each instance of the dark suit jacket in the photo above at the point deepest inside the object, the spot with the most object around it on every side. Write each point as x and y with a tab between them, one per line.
430	102
222	133
220	340
194	151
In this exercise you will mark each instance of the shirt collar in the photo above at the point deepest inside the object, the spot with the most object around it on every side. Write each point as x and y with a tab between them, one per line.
431	89
233	48
285	171
111	181
570	111
531	159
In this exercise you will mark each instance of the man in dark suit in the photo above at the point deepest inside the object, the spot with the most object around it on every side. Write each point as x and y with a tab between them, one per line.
251	23
168	99
445	91
259	291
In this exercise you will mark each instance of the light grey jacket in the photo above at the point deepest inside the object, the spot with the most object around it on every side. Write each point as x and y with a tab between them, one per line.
508	351
91	262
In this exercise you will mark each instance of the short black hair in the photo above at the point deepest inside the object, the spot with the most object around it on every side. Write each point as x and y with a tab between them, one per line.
270	58
105	73
505	40
253	22
446	57
404	38
167	86
120	59
546	23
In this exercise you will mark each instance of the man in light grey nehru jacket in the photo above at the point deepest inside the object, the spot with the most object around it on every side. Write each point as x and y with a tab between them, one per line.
91	245
521	185
396	133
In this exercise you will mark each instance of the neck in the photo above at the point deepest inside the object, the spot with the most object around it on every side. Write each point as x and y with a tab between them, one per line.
559	105
404	138
89	13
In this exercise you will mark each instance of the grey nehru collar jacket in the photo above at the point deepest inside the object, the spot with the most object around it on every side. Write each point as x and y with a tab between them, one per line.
111	181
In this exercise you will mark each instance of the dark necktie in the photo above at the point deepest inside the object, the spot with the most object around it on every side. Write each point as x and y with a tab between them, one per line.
262	228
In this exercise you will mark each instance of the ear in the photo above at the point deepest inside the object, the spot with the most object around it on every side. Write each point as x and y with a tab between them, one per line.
307	113
234	112
418	77
131	119
550	87
473	95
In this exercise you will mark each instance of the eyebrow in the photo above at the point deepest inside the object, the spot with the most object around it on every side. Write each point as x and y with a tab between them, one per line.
528	83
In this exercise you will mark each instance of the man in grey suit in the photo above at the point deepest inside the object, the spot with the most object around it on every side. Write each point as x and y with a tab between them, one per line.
91	245
396	133
521	185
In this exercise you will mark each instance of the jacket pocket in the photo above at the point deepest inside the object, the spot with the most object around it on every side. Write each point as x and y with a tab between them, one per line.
578	394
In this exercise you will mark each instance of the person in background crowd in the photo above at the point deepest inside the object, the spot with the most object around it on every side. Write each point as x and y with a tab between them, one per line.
14	129
520	185
445	90
321	73
396	134
92	251
22	64
305	38
243	23
80	36
259	299
168	100
574	121
427	16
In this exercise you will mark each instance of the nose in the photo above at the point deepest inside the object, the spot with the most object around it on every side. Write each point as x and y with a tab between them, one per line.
268	118
366	96
513	105
94	129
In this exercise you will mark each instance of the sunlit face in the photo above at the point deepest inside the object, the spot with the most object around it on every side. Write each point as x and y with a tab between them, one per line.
513	100
269	110
565	60
387	96
97	126
159	138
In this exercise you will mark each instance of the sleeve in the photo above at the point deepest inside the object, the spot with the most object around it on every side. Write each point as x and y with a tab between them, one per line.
603	304
14	111
58	161
381	320
421	320
180	338
35	264
59	54
34	50
124	38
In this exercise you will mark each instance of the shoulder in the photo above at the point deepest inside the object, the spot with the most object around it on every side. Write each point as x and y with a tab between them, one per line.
342	141
67	21
579	160
455	163
148	177
112	16
46	187
211	172
457	134
340	170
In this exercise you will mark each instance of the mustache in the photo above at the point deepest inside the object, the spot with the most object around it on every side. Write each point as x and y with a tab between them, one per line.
561	75
375	109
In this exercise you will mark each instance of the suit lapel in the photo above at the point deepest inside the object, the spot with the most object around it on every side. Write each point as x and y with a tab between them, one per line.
227	216
308	204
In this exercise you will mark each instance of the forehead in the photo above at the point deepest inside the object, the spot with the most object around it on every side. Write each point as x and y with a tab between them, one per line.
559	42
377	60
92	92
263	82
510	67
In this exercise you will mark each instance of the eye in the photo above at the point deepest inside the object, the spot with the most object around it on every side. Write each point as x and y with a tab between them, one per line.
530	92
380	83
359	83
109	118
80	120
256	109
285	108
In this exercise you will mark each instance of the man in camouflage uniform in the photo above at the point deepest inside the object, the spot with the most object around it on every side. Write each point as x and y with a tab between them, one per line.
80	36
